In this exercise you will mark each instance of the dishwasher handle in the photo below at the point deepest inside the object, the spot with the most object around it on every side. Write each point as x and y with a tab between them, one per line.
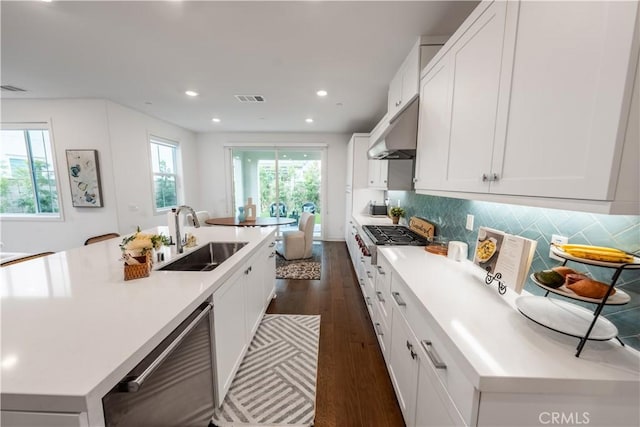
134	384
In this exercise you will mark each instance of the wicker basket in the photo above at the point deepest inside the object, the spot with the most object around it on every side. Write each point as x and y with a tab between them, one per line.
138	271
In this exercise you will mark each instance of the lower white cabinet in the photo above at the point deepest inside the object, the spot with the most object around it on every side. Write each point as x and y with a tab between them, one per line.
269	278
230	334
403	367
433	406
238	307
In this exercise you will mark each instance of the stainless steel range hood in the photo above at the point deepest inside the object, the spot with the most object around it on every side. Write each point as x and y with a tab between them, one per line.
397	139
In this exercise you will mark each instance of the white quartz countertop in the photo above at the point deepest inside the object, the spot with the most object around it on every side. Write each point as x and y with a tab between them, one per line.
498	348
372	220
72	327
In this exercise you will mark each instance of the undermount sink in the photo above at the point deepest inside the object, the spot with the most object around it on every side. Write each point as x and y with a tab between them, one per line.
205	258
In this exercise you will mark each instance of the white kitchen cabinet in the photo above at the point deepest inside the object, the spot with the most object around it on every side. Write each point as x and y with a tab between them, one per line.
378	171
259	279
434	406
403	367
404	86
533	103
459	103
383	274
573	70
357	173
434	124
230	334
269	256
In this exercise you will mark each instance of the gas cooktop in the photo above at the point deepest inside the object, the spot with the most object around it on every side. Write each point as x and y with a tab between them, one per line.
394	235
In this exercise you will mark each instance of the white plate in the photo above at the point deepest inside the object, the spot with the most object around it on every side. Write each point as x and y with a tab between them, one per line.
565	317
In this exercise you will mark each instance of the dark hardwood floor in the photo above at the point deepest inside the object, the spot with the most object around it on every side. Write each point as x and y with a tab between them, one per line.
353	387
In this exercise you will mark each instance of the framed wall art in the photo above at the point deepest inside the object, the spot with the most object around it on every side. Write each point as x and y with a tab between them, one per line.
84	178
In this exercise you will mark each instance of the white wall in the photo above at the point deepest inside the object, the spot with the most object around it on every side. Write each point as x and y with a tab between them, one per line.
215	174
129	134
121	137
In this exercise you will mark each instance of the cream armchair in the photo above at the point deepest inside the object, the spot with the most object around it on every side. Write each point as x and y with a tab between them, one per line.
298	244
202	217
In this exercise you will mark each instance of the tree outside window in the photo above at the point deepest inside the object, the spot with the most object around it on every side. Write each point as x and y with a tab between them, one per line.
27	173
165	176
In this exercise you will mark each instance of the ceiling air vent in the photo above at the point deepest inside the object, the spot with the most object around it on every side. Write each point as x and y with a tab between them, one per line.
10	88
250	98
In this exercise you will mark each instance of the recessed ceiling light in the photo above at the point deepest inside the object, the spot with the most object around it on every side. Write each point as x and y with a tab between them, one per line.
321	93
308	120
305	155
215	120
191	93
47	1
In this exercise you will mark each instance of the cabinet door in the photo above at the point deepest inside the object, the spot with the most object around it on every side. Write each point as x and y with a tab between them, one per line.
230	340
378	171
569	99
360	160
269	256
254	293
394	99
432	401
476	61
434	124
403	366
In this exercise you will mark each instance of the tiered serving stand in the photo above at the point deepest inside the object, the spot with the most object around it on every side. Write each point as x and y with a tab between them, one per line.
571	319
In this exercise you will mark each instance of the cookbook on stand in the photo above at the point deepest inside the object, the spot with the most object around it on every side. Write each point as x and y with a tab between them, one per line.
507	254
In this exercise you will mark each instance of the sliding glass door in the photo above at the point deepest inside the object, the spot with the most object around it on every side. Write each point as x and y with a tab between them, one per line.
282	182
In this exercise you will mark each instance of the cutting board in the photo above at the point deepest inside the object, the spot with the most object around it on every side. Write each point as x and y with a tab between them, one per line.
422	227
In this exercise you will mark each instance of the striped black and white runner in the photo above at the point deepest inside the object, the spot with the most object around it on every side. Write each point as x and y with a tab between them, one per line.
276	382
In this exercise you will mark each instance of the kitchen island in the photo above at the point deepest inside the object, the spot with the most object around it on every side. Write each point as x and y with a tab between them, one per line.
72	327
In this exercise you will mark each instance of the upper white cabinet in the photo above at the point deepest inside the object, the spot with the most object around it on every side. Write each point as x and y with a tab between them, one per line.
404	87
573	69
529	103
378	173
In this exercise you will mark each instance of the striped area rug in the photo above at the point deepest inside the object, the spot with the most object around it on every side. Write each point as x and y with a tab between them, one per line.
276	382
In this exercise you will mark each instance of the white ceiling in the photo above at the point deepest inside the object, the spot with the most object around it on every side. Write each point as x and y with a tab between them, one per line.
146	54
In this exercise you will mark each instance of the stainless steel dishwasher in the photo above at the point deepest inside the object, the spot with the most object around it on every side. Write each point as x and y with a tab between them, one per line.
173	385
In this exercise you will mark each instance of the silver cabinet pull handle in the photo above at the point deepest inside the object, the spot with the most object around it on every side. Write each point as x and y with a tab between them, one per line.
485	178
369	275
272	255
135	384
380	270
435	359
380	297
272	244
495	177
378	329
399	301
368	301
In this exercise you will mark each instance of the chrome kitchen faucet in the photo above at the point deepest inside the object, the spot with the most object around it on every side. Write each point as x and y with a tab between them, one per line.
196	223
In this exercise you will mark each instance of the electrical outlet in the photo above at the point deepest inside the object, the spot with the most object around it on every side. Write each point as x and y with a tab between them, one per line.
469	225
558	240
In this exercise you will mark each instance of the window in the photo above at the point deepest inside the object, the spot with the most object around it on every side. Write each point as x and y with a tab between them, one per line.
28	183
164	163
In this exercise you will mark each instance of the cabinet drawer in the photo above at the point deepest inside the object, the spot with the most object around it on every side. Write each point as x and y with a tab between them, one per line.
383	333
436	350
383	288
